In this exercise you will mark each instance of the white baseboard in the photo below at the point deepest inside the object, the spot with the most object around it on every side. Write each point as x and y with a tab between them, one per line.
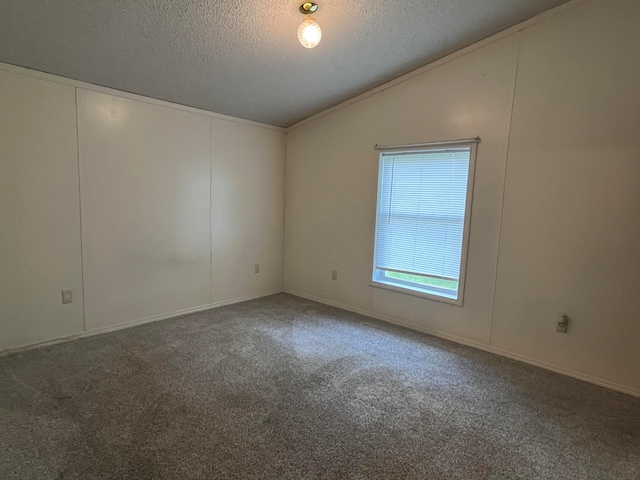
133	323
480	346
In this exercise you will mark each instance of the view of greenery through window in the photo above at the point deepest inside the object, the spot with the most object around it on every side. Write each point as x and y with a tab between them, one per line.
427	281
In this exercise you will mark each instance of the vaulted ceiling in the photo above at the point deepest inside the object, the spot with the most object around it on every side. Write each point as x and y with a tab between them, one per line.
241	57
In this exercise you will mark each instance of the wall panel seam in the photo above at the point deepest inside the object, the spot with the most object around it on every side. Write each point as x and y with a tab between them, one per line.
84	316
504	188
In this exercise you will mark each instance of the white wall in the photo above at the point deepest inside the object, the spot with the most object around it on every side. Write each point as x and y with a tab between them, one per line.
145	196
571	225
39	211
332	175
247	217
566	165
153	208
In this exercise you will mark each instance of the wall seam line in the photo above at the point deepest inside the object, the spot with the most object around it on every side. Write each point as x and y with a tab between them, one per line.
211	209
504	188
284	207
84	313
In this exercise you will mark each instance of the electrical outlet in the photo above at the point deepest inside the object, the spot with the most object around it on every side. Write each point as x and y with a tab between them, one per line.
334	274
563	323
256	268
66	296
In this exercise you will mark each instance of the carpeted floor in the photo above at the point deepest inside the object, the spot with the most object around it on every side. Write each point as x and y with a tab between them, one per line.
282	387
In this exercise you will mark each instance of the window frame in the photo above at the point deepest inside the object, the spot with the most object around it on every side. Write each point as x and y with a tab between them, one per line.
408	288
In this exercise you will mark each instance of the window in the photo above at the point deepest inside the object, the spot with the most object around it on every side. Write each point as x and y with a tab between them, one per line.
422	221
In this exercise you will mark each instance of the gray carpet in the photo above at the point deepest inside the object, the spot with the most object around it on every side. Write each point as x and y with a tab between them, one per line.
287	388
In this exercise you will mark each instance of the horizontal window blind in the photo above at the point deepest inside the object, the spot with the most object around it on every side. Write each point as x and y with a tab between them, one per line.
421	211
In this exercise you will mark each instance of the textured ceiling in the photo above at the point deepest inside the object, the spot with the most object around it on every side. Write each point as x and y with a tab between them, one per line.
240	57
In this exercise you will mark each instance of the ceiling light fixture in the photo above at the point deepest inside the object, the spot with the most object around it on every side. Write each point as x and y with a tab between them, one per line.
309	32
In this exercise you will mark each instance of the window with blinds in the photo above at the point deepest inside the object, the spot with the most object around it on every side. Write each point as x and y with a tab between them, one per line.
424	200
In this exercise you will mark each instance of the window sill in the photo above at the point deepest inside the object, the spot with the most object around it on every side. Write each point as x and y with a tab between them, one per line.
416	293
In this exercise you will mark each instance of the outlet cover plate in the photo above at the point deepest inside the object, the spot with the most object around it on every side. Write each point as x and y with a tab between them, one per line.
66	296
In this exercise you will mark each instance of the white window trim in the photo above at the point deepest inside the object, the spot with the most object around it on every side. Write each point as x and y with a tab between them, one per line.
472	143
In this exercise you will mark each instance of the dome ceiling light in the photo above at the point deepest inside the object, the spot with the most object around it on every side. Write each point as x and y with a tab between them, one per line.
309	33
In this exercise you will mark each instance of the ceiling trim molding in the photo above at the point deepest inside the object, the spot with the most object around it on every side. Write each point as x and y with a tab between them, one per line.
15	69
441	61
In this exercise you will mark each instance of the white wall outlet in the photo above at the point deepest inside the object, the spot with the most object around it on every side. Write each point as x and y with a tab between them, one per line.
66	296
334	274
256	268
563	323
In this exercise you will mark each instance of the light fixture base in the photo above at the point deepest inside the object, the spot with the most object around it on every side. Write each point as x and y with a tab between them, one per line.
307	8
